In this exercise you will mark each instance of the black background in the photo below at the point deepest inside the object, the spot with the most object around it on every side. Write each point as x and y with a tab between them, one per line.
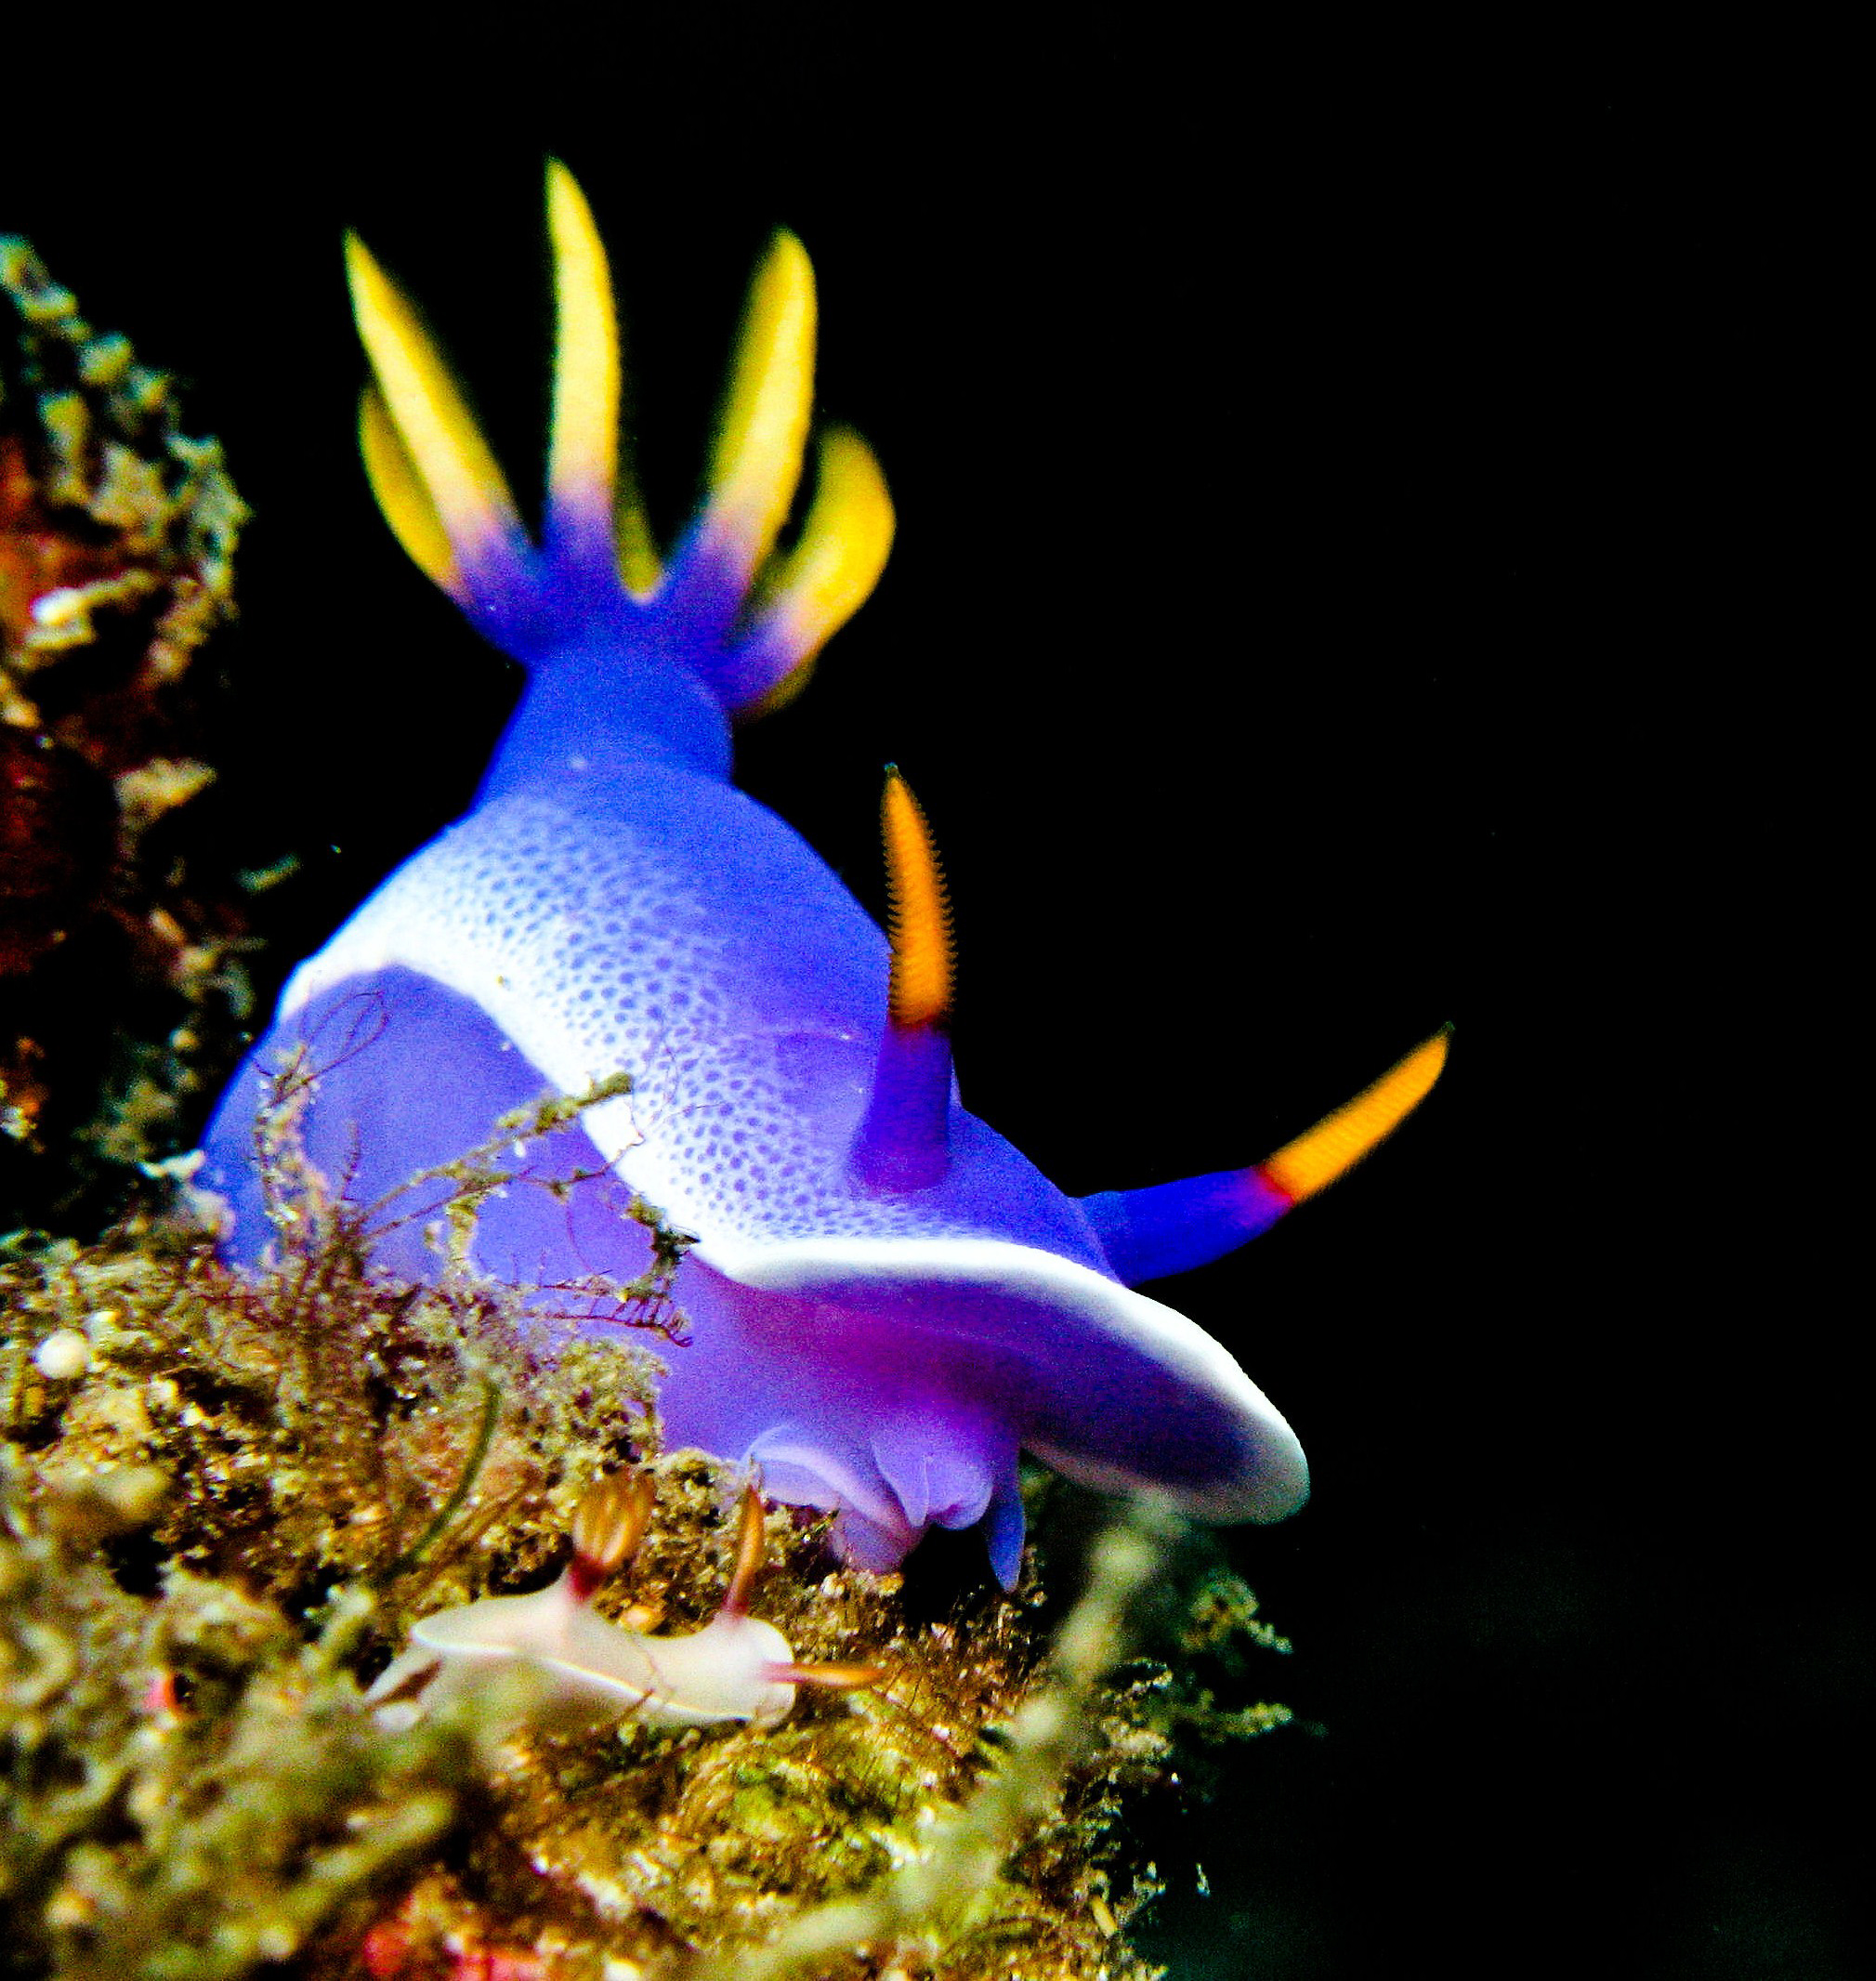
1314	617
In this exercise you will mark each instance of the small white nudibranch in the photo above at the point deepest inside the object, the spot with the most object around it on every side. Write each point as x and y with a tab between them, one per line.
566	1666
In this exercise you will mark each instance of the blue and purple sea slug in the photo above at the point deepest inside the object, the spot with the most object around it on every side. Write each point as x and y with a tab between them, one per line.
886	1302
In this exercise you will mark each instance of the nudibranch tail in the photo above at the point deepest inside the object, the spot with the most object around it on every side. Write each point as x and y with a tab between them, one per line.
1170	1227
903	1142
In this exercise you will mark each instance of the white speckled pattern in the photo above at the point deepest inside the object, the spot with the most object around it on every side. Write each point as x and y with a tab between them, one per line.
568	930
750	1052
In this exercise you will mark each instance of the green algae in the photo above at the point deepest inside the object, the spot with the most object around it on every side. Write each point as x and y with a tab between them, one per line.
221	1525
194	1791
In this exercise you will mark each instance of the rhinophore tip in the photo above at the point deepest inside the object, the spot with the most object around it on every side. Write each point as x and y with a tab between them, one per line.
919	915
904	1141
1340	1140
608	1527
1171	1227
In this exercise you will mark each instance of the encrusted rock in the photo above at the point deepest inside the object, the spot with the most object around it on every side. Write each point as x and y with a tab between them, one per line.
117	535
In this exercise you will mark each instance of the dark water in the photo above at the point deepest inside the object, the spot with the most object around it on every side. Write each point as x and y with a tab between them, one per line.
1311	622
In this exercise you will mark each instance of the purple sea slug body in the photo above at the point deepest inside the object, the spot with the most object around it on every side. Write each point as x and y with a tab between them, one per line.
886	1302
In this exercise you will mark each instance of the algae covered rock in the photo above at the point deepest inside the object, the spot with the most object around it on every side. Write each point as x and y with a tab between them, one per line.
223	1517
117	539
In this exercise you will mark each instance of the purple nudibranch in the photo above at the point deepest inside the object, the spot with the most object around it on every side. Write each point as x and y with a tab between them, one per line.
885	1301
